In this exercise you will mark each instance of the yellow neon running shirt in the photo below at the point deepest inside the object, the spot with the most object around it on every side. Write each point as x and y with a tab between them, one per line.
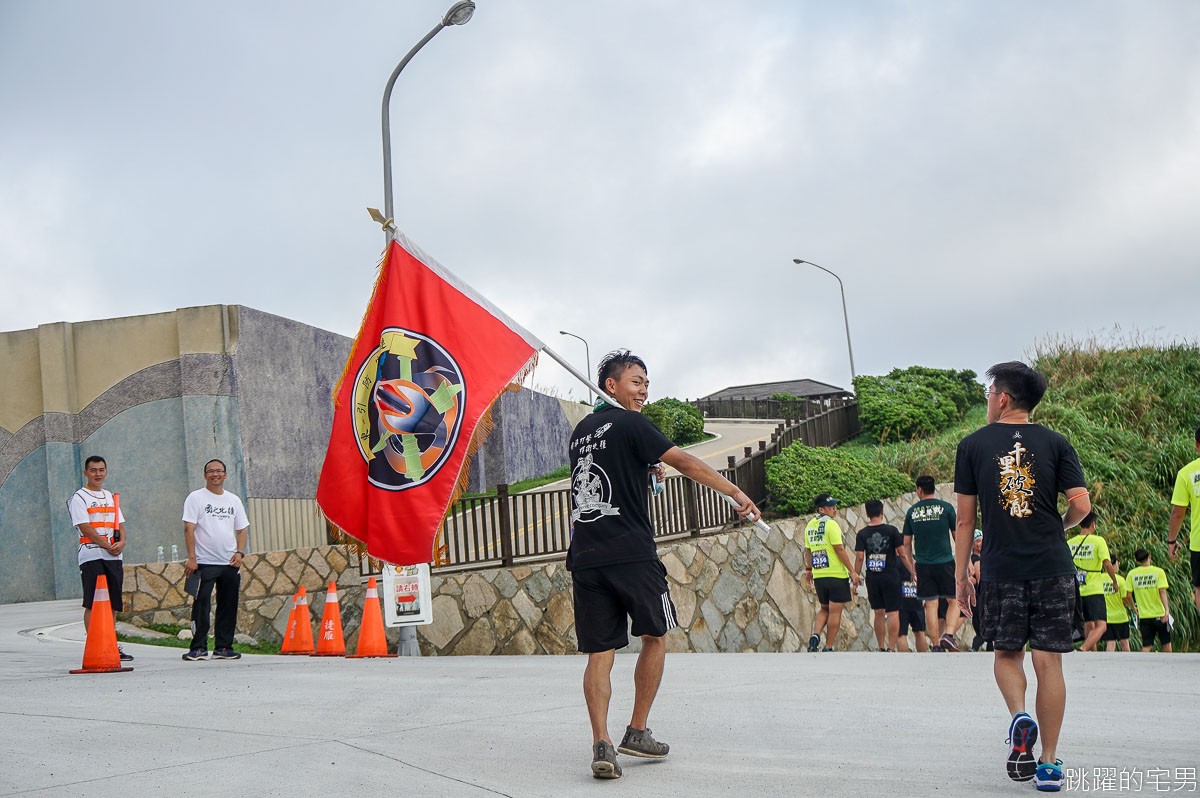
1144	581
1114	600
1089	553
820	537
1187	491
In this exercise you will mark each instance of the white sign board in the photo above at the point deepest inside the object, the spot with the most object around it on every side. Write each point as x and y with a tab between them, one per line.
407	598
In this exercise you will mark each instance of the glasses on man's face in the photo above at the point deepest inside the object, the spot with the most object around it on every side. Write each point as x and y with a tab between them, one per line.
215	471
990	392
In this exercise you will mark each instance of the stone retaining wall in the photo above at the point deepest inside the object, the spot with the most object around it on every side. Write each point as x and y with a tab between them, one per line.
735	591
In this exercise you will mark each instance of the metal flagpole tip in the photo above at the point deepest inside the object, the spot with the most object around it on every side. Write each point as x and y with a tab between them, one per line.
460	13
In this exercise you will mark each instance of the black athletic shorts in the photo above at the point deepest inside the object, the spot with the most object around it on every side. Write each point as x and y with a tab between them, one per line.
912	616
1116	631
883	592
606	596
1037	612
936	581
114	574
1094	608
1152	628
1196	567
832	588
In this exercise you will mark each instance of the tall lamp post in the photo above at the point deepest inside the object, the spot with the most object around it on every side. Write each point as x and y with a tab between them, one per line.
845	317
586	355
459	14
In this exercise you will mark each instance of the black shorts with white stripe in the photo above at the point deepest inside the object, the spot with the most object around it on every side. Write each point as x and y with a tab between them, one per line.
606	598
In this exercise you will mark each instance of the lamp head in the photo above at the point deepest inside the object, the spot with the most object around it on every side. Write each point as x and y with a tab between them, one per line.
798	261
460	13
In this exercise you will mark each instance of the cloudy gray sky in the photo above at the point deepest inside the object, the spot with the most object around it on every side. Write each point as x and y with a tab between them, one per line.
982	175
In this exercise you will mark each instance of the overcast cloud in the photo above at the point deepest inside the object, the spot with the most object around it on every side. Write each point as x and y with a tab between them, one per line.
981	175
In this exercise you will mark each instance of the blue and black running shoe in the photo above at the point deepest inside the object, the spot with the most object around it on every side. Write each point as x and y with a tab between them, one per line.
1049	777
1022	734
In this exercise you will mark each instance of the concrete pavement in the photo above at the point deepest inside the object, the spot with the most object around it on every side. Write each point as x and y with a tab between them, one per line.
739	724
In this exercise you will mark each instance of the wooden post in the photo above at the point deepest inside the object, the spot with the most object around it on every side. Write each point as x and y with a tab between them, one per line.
732	461
506	547
691	510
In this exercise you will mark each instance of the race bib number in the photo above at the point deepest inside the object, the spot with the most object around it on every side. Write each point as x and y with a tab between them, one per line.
1081	577
909	589
876	562
820	559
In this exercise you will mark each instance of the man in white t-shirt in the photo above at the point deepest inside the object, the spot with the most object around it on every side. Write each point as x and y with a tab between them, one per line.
214	529
97	517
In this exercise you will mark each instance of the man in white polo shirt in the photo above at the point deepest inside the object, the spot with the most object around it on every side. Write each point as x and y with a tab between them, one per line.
214	529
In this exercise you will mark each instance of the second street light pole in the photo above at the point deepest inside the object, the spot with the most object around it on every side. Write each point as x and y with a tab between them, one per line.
845	317
587	356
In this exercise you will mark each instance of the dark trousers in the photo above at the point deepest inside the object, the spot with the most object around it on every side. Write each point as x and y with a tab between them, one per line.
227	580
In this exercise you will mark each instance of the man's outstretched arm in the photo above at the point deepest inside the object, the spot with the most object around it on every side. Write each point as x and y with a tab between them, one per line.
697	470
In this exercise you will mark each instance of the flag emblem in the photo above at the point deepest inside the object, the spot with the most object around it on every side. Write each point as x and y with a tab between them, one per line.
408	399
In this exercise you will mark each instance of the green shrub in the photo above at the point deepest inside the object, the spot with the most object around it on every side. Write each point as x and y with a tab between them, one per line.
799	473
679	421
914	402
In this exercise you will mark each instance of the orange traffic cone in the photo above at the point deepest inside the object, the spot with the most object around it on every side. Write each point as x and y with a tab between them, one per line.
371	640
100	653
300	640
329	640
285	646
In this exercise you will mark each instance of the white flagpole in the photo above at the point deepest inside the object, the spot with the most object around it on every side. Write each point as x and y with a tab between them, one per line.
758	522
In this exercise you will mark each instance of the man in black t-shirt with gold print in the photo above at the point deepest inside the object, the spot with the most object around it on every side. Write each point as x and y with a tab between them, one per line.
1013	471
615	570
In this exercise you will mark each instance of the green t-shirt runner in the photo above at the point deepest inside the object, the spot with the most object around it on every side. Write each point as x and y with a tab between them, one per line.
1187	492
1089	553
821	536
930	523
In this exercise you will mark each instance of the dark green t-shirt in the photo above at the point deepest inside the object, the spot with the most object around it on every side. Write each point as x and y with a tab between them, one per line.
930	522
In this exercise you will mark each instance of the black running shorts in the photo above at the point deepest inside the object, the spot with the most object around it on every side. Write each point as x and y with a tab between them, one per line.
832	588
1152	628
1196	565
1116	631
114	573
1094	608
883	592
608	596
913	617
936	581
1037	612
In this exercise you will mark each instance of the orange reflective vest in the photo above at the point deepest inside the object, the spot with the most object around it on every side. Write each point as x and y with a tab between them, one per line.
115	509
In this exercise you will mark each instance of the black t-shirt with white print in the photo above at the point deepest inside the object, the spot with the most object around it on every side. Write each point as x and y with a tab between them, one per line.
880	543
610	453
1017	471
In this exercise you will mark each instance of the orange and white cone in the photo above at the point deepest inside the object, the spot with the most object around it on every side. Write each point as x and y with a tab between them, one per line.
290	628
372	642
329	640
300	637
100	654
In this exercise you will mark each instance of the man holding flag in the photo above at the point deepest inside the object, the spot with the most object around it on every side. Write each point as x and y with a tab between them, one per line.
613	559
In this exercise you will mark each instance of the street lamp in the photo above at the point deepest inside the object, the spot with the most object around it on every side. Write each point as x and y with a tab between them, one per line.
587	356
458	14
845	317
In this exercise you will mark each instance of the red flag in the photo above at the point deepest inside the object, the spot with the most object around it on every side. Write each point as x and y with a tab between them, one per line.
430	359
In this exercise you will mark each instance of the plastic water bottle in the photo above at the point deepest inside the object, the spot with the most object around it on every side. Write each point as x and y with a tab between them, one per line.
174	552
160	553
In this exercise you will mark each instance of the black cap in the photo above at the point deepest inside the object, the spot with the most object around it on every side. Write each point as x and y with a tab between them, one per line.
825	500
